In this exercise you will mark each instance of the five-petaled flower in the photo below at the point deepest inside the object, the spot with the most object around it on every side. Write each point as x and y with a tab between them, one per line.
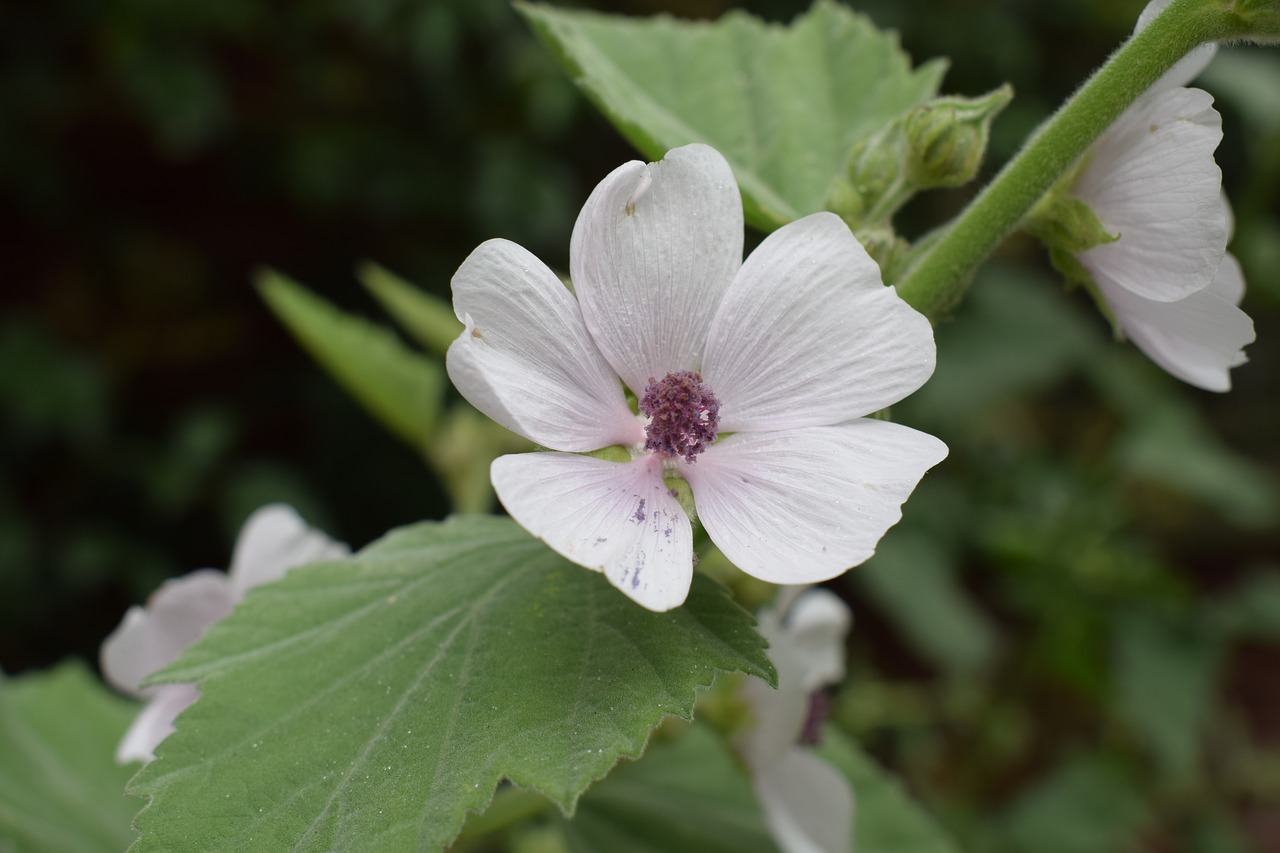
808	805
1167	280
272	541
754	379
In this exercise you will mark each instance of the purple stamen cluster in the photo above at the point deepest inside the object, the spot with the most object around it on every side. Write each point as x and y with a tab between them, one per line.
683	415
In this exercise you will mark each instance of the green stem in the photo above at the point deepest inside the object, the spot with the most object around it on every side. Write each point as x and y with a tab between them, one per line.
936	281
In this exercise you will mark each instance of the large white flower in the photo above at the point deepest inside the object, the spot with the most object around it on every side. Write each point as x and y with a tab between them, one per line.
808	805
272	541
753	379
1152	182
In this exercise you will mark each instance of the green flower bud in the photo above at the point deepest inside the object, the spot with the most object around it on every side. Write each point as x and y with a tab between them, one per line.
947	138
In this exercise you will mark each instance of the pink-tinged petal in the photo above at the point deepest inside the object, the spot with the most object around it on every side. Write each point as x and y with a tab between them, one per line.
174	618
525	358
1151	180
273	540
808	335
808	804
1197	339
613	517
1188	67
805	505
652	253
154	722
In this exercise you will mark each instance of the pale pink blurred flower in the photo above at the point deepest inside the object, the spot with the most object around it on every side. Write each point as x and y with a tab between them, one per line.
808	805
272	541
1168	281
754	379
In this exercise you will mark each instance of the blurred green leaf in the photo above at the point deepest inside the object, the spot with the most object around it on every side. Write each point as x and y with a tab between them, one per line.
61	790
368	703
685	794
887	819
1246	77
1251	609
1165	678
429	320
398	386
784	105
914	581
1086	805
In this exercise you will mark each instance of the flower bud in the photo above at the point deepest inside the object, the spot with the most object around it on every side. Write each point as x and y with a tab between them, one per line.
947	138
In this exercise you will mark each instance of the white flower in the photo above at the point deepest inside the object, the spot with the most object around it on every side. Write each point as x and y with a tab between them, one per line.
272	541
787	352
808	805
1152	182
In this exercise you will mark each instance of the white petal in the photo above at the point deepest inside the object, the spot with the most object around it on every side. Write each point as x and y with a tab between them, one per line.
525	358
817	624
1152	180
1190	66
1197	339
273	540
175	617
653	251
808	805
803	506
809	336
154	722
613	517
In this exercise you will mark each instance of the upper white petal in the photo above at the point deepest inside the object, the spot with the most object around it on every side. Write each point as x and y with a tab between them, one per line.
817	623
1188	67
614	517
154	722
1197	339
273	540
808	804
174	618
652	253
525	358
804	505
808	335
1152	180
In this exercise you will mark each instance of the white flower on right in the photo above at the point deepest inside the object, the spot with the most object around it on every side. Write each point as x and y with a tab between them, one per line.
1152	182
808	804
273	540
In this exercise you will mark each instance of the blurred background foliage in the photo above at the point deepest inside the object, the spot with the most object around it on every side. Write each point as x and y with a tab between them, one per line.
1070	643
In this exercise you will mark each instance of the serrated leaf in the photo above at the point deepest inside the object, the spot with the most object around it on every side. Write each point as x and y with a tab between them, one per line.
61	790
687	794
368	703
784	105
429	320
402	389
887	819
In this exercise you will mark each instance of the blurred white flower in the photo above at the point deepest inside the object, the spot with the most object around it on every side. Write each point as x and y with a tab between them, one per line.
808	805
1152	182
272	541
788	351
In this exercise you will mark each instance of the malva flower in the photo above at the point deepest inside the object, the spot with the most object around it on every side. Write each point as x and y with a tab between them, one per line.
272	541
752	382
1166	278
808	805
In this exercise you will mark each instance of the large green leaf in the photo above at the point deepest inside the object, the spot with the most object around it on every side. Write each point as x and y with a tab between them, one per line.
61	790
401	388
887	820
687	794
785	105
368	703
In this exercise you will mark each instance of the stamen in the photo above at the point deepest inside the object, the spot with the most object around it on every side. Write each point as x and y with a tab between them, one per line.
683	415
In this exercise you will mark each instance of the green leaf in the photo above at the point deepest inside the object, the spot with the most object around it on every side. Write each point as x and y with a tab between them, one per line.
784	105
914	581
1086	805
888	820
1251	609
368	703
429	320
61	790
686	794
398	386
1165	677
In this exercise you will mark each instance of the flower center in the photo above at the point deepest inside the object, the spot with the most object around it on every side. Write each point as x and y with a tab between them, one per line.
683	415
